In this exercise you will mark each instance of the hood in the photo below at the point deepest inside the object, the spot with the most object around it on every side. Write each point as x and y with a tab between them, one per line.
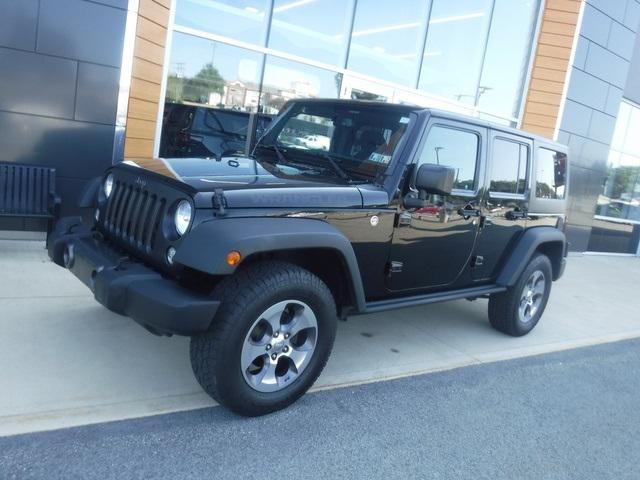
248	184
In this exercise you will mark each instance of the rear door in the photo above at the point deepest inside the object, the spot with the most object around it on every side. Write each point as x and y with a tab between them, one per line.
506	207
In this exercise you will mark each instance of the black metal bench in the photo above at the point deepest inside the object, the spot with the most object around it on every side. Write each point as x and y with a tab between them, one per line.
28	191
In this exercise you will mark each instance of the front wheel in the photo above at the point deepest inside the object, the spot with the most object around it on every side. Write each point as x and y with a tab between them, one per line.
516	311
270	340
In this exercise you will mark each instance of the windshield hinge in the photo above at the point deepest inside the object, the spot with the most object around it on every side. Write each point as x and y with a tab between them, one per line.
219	202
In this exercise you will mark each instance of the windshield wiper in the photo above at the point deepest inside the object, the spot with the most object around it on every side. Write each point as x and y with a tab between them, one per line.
337	168
274	147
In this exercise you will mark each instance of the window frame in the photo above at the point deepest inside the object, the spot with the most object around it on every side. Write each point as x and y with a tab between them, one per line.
548	206
499	135
477	130
534	188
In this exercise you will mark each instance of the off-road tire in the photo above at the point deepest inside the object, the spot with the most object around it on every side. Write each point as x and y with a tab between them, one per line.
503	307
215	355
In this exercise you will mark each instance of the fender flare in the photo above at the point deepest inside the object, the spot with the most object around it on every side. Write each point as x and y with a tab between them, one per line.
205	247
528	243
89	195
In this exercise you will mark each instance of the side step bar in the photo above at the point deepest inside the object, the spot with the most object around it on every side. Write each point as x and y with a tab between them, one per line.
393	303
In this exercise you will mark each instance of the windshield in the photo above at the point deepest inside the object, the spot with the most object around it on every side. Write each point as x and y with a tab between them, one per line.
352	141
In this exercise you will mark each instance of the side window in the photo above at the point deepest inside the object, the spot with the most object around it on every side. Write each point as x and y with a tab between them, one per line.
453	148
551	174
509	167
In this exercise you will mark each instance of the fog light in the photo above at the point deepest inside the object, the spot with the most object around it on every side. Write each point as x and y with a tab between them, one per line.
171	252
233	258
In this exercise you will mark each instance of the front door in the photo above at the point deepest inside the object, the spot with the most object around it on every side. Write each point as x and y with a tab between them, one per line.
433	245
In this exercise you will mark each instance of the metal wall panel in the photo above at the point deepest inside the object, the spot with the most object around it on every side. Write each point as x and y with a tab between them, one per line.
18	23
81	30
632	17
75	149
595	25
632	89
606	65
599	73
97	94
23	87
114	3
59	81
621	41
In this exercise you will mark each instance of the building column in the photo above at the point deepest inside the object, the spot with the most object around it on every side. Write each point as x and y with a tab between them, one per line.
551	65
146	78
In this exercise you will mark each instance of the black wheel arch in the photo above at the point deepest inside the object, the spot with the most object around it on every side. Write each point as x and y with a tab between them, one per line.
312	244
546	240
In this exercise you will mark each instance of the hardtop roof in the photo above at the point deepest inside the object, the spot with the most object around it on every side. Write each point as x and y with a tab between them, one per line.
439	113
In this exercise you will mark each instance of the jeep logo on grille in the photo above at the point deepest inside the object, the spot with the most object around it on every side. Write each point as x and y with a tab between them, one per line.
141	183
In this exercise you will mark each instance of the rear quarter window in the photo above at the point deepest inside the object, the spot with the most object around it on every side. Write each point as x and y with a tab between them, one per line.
551	174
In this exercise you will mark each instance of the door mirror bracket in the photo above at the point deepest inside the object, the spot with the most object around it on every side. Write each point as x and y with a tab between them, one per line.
411	201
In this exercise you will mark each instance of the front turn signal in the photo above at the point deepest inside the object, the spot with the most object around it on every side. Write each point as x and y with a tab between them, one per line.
233	258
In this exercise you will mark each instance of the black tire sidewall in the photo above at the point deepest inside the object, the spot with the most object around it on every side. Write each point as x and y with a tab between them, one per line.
541	263
233	389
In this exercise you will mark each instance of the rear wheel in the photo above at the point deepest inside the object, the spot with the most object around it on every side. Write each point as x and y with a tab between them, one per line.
271	338
518	310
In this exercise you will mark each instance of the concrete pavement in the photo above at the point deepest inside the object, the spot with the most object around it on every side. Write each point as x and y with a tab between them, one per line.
564	415
68	361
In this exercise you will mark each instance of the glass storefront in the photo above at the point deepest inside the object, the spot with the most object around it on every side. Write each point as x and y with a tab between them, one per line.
284	80
319	31
252	56
386	41
617	221
456	40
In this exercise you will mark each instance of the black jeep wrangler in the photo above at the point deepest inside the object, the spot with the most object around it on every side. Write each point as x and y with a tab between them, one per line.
345	207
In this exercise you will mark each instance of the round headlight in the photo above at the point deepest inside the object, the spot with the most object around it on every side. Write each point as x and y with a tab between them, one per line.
182	217
108	185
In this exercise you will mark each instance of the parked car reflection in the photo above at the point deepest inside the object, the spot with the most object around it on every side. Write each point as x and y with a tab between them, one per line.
192	130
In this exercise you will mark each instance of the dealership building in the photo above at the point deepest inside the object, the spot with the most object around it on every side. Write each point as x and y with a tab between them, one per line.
87	83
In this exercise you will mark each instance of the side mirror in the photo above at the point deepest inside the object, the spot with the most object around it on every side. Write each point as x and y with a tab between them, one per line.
435	179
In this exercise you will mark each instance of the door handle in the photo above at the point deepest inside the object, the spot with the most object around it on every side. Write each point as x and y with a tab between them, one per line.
468	212
404	219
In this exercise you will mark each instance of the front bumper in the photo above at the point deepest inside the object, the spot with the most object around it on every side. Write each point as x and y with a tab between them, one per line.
126	286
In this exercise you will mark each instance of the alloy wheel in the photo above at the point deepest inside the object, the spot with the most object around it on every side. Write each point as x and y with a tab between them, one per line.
532	296
279	346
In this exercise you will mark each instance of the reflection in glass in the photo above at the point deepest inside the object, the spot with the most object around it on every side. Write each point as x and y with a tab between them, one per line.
454	48
507	58
239	19
314	29
509	167
212	73
347	141
211	90
387	39
285	80
453	148
621	192
622	127
551	174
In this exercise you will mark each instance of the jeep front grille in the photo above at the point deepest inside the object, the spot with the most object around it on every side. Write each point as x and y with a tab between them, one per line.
133	215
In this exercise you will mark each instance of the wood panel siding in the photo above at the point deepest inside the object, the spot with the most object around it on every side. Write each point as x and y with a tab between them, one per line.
550	66
146	78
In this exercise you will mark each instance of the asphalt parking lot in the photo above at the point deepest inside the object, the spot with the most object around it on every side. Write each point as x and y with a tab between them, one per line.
564	415
68	361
